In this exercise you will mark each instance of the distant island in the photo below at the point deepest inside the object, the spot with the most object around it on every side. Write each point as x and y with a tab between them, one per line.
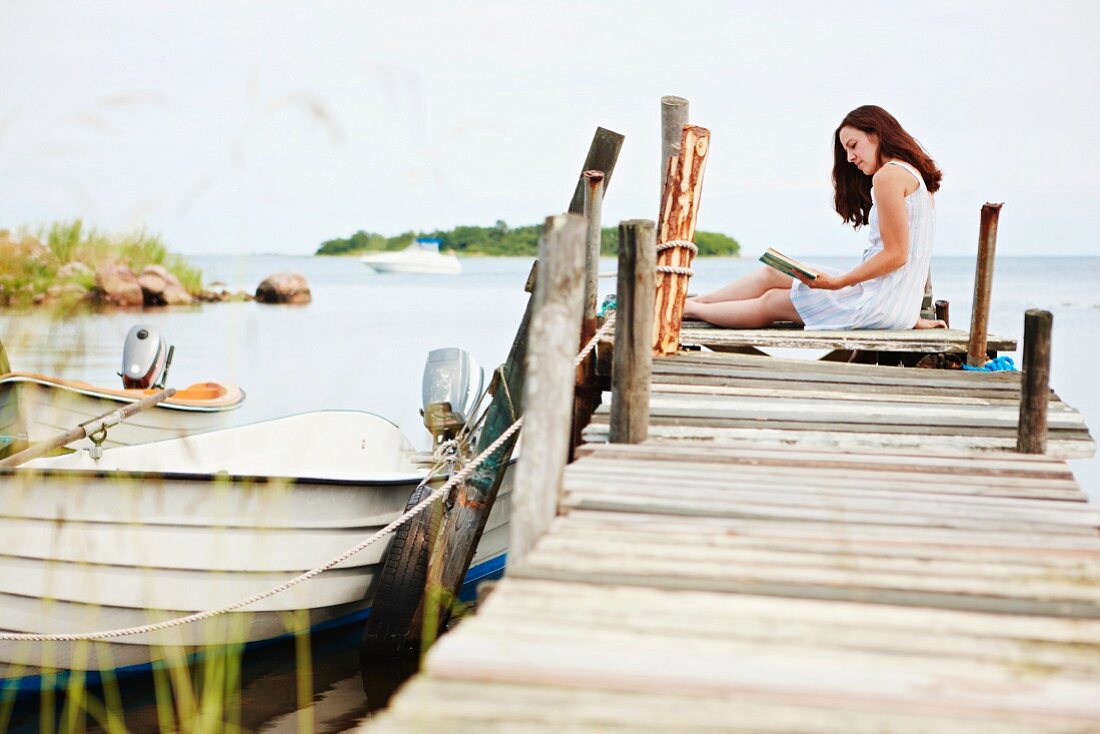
501	240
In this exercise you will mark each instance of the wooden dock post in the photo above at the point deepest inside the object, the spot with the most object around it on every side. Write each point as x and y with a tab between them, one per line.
632	365
586	393
679	210
1031	436
943	312
549	383
983	285
602	156
674	116
392	628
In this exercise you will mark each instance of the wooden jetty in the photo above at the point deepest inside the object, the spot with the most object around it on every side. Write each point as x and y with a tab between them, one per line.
710	582
753	544
798	546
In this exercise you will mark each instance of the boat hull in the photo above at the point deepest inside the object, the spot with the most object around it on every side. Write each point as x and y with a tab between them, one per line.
35	408
144	549
160	531
413	263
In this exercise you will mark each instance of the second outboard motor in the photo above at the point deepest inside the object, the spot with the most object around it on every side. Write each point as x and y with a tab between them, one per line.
145	359
450	391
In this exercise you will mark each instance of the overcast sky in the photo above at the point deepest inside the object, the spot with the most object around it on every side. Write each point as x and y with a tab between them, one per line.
270	126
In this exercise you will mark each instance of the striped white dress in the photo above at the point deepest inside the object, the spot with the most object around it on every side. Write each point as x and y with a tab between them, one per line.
891	301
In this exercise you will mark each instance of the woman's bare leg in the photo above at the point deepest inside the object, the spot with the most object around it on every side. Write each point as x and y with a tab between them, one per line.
753	285
752	313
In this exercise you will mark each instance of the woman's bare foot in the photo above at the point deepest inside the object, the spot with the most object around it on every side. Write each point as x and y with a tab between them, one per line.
930	324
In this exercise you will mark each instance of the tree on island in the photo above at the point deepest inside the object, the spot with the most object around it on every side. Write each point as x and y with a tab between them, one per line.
501	240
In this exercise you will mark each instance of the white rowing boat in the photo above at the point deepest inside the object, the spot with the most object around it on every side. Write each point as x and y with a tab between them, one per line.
163	530
36	407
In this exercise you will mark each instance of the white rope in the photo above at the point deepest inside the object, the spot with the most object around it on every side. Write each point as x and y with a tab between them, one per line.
393	526
686	244
673	269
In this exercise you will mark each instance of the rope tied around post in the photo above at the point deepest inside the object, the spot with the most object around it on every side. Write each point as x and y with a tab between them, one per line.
674	270
387	530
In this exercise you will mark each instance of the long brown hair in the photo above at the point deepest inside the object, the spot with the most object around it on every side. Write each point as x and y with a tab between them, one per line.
852	187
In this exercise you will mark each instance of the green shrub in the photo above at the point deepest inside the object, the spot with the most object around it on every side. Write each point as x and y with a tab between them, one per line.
30	262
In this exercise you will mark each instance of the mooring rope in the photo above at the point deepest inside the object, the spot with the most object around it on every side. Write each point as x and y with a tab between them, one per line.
686	244
393	526
673	269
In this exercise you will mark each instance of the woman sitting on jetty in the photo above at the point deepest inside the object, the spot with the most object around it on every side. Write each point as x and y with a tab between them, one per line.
881	177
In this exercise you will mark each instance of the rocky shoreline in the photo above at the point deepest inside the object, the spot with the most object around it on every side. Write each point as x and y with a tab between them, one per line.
70	266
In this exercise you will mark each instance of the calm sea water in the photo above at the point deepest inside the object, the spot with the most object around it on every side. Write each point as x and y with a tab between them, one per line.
362	342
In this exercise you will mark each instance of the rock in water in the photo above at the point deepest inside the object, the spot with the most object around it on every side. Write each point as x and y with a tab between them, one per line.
284	288
161	288
118	285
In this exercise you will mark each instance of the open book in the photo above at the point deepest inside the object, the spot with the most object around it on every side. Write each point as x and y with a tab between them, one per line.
786	265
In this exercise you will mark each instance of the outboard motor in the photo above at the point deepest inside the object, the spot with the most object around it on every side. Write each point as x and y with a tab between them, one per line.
146	358
450	392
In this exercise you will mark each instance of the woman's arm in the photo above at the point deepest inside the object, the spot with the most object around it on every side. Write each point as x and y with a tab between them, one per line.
889	184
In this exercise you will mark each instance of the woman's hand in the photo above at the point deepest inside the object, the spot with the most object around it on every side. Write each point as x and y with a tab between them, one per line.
823	281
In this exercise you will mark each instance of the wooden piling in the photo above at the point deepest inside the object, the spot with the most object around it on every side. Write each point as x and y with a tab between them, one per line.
679	210
632	365
550	373
927	307
393	628
602	156
943	312
674	116
1031	437
983	285
586	395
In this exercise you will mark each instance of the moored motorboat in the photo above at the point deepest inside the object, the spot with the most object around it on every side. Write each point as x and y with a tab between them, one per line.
422	256
164	530
129	536
35	407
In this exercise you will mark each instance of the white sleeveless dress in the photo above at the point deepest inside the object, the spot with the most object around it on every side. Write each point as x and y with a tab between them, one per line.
891	301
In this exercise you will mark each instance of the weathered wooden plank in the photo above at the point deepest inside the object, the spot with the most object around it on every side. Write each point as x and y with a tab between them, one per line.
931	427
776	365
1063	645
688	373
656	610
780	390
834	585
1060	561
886	483
825	531
837	511
435	704
746	669
859	411
955	462
967	489
794	495
946	561
935	341
1062	444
